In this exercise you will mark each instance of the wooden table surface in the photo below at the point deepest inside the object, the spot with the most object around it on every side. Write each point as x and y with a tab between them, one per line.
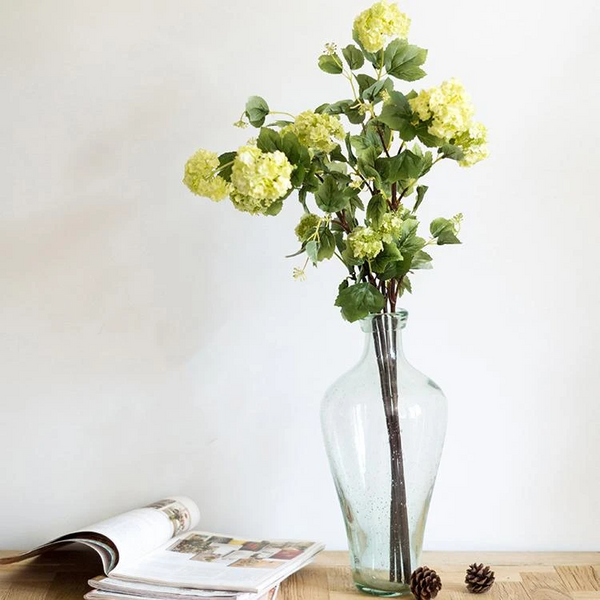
62	575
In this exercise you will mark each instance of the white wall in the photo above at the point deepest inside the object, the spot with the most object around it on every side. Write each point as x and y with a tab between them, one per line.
155	343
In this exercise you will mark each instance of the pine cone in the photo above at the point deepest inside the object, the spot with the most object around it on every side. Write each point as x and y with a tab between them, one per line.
425	583
479	579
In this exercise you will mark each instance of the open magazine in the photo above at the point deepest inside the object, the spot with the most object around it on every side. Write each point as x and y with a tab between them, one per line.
152	552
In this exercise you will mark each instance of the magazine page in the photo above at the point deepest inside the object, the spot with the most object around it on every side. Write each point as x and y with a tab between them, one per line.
138	532
102	595
203	560
130	535
138	590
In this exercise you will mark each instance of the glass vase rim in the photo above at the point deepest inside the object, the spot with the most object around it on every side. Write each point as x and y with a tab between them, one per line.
395	320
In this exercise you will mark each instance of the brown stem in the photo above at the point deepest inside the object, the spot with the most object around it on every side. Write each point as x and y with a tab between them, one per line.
385	349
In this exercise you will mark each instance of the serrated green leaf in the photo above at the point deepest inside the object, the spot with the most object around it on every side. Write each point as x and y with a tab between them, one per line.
405	285
312	251
364	82
404	166
336	154
330	63
431	141
329	197
403	60
338	108
421	260
452	152
444	231
269	140
257	110
326	244
354	115
275	208
359	301
376	208
225	159
373	92
354	57
389	254
397	115
421	191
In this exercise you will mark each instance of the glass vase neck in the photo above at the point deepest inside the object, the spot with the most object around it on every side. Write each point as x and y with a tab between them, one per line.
383	334
390	321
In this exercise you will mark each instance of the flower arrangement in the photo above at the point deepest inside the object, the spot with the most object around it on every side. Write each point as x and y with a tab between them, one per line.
357	166
364	175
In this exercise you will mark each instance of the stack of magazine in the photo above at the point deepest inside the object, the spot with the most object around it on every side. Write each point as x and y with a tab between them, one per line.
154	552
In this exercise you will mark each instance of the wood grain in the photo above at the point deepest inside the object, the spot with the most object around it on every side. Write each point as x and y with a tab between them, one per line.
63	575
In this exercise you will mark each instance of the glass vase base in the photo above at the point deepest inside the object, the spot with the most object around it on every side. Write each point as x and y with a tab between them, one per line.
383	593
381	587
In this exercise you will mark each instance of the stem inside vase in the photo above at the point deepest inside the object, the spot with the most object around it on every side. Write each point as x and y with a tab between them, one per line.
384	337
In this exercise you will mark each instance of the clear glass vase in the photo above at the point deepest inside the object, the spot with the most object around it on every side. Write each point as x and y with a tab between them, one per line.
384	424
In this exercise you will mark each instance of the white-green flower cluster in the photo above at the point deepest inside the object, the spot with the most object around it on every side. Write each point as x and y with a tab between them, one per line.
390	228
449	112
474	145
365	242
307	226
201	178
259	178
317	131
374	26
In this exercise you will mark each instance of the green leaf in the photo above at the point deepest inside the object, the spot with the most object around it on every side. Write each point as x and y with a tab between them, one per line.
421	191
405	285
354	57
296	153
421	260
359	301
424	136
444	231
366	165
389	254
351	156
372	93
302	198
326	244
403	60
397	115
330	63
269	140
312	251
354	115
338	108
336	154
411	166
329	197
453	152
257	110
364	82
406	165
376	208
275	208
224	159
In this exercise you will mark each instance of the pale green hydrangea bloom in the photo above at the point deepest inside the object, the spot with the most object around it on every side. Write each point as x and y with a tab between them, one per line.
317	132
448	105
365	242
201	179
375	25
259	178
390	228
474	145
306	227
